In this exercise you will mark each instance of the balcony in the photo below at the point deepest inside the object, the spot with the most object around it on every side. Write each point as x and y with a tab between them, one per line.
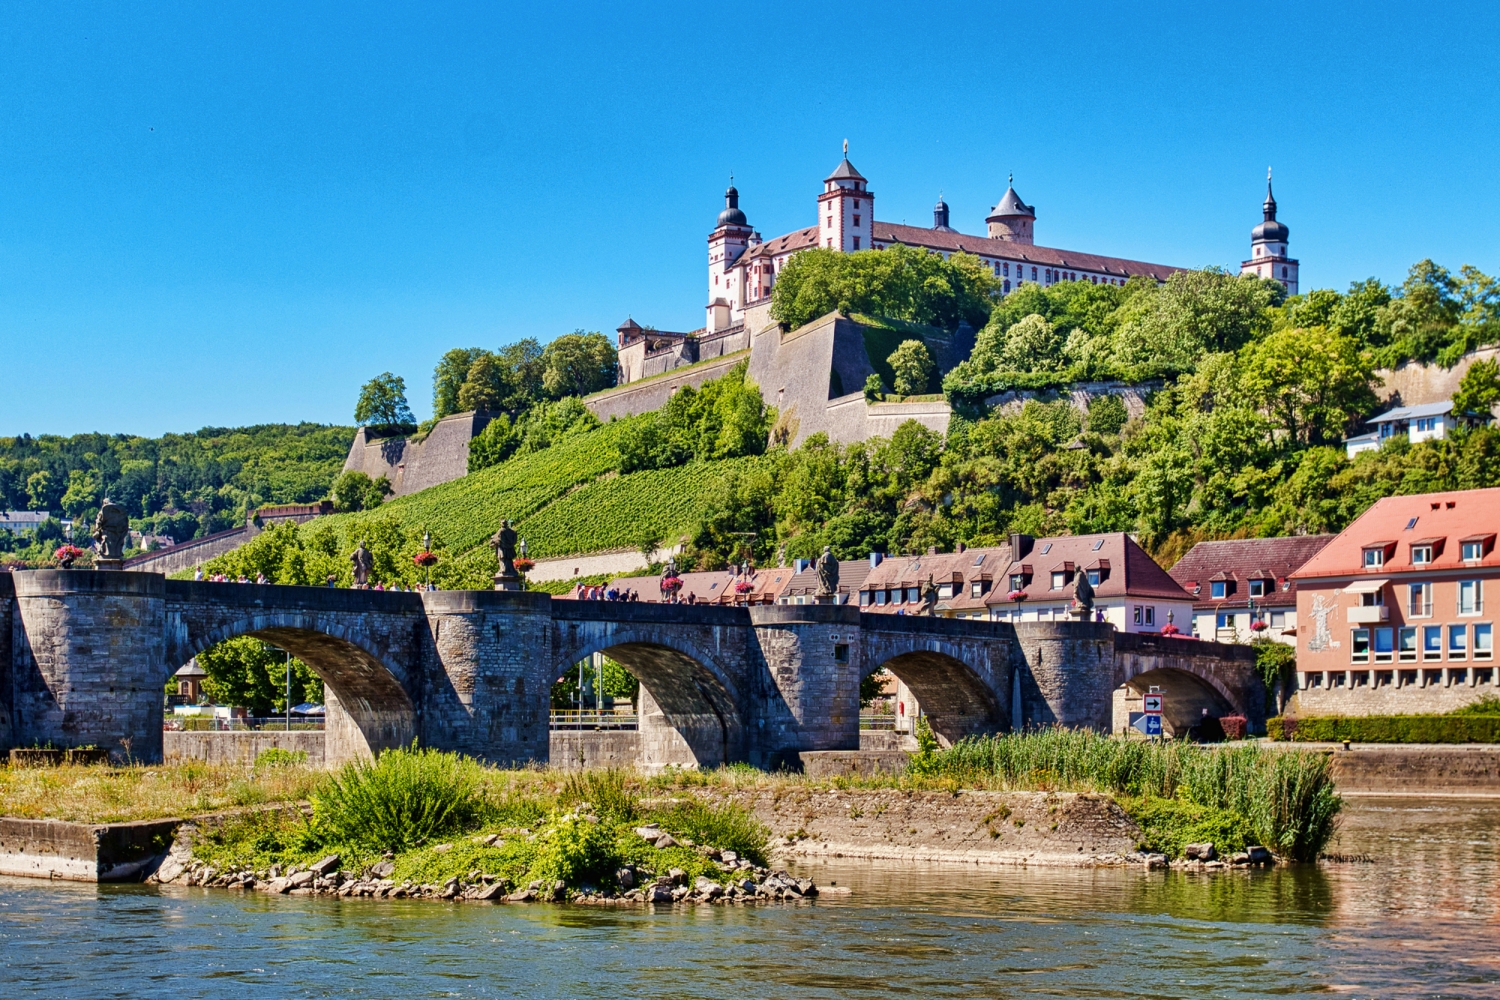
1368	614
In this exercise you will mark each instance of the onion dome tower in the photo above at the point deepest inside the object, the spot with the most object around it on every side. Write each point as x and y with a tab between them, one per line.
1268	246
940	216
1012	220
730	239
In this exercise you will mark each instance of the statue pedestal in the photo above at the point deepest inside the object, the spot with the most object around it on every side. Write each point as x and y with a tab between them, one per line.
1079	614
114	564
503	582
825	598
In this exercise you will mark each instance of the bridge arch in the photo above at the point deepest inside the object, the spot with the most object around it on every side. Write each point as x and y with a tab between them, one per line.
1190	696
956	689
368	705
689	711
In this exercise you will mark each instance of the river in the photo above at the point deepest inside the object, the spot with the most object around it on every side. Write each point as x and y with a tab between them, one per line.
1416	916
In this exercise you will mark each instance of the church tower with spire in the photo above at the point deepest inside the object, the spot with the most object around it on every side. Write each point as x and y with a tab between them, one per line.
726	244
1268	247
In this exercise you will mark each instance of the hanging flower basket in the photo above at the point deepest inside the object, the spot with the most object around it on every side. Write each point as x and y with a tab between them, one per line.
1258	625
1016	595
1170	629
744	587
65	555
425	559
671	584
523	564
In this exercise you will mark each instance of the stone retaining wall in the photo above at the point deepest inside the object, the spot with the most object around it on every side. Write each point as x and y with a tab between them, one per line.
582	749
83	852
241	747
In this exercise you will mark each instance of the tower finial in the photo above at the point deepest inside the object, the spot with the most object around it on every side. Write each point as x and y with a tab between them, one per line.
1010	178
846	149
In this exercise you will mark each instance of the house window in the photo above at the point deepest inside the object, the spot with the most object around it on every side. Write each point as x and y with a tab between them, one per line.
1432	642
1419	604
1458	642
1017	581
1138	614
864	598
1359	646
1421	555
1058	579
1218	589
880	597
1033	274
1005	269
1406	644
1473	551
1374	558
1150	616
1093	578
976	589
1278	619
913	595
1484	641
856	240
1257	588
1470	599
1045	549
1384	644
1224	619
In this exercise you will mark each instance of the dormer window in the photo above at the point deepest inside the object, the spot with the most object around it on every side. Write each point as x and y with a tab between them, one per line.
1218	589
1059	579
1257	588
1093	578
1472	551
1017	581
1374	558
1421	555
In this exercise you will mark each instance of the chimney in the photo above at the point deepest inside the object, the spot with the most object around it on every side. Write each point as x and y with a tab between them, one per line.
932	550
1020	545
875	558
960	547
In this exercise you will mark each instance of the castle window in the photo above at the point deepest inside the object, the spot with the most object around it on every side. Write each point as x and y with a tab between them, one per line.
856	219
1007	284
1283	272
856	208
1033	274
856	242
1007	270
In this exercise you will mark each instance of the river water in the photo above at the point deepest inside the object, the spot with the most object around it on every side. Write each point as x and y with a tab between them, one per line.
1418	916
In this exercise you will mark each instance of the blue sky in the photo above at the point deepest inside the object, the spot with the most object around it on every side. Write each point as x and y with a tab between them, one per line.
239	213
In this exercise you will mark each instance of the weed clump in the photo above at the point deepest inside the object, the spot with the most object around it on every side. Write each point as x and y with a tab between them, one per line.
405	797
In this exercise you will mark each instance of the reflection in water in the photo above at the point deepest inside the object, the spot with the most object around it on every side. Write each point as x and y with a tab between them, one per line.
1418	920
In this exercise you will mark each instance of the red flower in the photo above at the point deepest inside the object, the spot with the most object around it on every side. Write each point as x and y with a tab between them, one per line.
1016	595
1257	625
744	587
1170	629
425	558
65	554
523	564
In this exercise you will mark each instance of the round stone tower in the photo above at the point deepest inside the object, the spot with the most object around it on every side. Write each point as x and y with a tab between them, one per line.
1012	220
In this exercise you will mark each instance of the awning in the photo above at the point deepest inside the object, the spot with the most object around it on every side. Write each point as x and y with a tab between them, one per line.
1365	586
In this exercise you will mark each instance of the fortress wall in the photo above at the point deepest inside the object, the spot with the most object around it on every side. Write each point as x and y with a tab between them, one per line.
643	397
415	465
1414	384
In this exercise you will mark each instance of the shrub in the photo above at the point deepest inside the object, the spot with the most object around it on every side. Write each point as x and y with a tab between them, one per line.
606	791
1234	726
1463	728
577	849
1167	825
277	757
727	827
402	799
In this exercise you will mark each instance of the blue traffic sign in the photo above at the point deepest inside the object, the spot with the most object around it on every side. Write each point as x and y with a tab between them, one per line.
1153	724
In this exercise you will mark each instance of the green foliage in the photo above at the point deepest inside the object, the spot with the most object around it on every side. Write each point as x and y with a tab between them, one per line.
538	428
727	826
354	491
1286	799
1488	704
577	364
484	386
246	672
1168	825
874	388
577	849
402	799
1313	382
277	757
725	418
912	366
1465	728
1107	414
1274	661
901	282
1478	392
382	402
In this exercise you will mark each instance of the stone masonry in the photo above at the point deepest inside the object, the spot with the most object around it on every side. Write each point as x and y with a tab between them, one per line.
471	671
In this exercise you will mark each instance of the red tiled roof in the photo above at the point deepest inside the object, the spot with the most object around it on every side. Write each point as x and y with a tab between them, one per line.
960	568
1450	516
1241	560
1131	572
716	587
852	573
984	246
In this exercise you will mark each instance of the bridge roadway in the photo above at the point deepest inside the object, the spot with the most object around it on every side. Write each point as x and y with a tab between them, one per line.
85	655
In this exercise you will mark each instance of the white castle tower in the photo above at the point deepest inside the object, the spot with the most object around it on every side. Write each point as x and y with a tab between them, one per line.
846	211
1268	241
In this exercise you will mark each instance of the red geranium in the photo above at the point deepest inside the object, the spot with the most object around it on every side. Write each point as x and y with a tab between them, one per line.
744	587
523	564
65	554
425	558
1170	629
1016	595
1257	625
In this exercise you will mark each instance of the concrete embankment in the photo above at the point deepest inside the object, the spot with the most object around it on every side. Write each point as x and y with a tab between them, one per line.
1413	769
83	852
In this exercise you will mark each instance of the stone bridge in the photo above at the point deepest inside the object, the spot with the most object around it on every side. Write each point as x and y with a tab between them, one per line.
85	655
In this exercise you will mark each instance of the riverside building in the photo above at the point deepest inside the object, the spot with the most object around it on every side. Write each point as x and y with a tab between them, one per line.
1395	615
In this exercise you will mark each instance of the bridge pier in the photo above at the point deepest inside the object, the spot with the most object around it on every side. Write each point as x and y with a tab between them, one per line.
812	655
89	665
1067	674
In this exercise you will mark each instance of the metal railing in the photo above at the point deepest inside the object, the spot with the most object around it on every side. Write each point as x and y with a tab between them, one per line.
240	724
877	720
588	718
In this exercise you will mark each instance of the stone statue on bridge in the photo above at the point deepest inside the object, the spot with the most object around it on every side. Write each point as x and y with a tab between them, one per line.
364	565
504	544
828	574
929	598
1083	596
110	530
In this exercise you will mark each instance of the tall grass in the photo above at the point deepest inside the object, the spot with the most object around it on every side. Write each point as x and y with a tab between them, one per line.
1286	798
403	798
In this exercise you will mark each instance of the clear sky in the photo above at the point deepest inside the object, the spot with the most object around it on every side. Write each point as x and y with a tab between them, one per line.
237	213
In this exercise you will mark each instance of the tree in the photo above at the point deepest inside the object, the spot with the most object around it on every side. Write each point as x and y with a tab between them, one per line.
248	673
1107	414
448	378
83	494
578	364
39	490
1194	314
899	282
484	384
1313	381
353	491
874	388
382	400
912	365
1478	392
1032	344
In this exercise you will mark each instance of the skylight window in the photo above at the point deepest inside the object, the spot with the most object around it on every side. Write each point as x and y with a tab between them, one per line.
1046	548
1411	524
1098	545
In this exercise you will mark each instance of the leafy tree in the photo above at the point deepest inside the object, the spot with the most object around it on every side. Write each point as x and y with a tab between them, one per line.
899	282
448	378
874	388
725	418
39	490
493	445
1196	313
578	364
1313	381
912	365
355	490
484	387
1107	414
83	494
382	400
246	672
522	363
1478	392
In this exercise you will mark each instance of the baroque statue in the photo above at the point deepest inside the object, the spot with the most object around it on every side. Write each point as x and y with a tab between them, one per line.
929	598
1083	594
828	573
364	564
110	529
504	544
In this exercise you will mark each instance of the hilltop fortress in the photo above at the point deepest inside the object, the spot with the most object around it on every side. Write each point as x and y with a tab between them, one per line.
814	375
